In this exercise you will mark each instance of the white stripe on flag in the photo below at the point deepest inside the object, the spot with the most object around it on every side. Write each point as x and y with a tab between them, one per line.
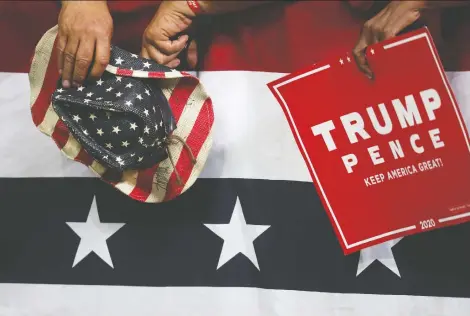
252	138
78	300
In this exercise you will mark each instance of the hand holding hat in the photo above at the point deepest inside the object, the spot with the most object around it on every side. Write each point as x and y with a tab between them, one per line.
142	127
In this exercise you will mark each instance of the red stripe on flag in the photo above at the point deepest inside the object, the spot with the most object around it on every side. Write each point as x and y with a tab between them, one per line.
124	72
195	141
39	108
180	96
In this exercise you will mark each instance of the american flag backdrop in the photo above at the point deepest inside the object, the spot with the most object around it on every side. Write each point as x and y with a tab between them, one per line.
249	237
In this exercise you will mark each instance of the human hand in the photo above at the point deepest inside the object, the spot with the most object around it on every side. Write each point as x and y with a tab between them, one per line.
396	16
84	39
163	40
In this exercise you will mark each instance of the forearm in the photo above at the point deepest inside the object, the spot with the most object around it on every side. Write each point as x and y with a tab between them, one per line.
432	4
218	6
192	8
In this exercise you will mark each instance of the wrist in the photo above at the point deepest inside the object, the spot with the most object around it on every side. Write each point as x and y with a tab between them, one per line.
195	6
102	3
417	4
180	7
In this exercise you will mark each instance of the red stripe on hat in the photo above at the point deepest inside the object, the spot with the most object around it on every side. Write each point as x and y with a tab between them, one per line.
84	157
177	100
195	140
156	74
39	108
60	134
180	96
124	72
143	187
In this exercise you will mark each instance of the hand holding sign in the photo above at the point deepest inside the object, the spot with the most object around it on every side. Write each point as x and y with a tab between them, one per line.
395	17
389	157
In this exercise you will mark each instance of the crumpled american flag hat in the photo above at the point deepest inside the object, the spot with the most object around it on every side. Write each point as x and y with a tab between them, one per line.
151	150
123	122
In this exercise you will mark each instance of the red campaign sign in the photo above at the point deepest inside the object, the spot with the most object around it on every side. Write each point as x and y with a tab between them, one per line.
389	157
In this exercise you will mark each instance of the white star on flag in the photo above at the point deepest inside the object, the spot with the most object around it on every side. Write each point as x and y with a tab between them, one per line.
133	126
238	237
134	55
93	235
86	101
76	118
118	78
139	96
129	85
99	82
99	131
381	252
92	116
128	103
118	94
80	88
146	64
89	94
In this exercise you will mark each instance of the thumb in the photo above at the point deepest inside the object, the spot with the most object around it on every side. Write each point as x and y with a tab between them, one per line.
360	57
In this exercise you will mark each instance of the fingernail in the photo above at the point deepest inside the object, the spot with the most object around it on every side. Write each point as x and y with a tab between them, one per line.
60	71
66	84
